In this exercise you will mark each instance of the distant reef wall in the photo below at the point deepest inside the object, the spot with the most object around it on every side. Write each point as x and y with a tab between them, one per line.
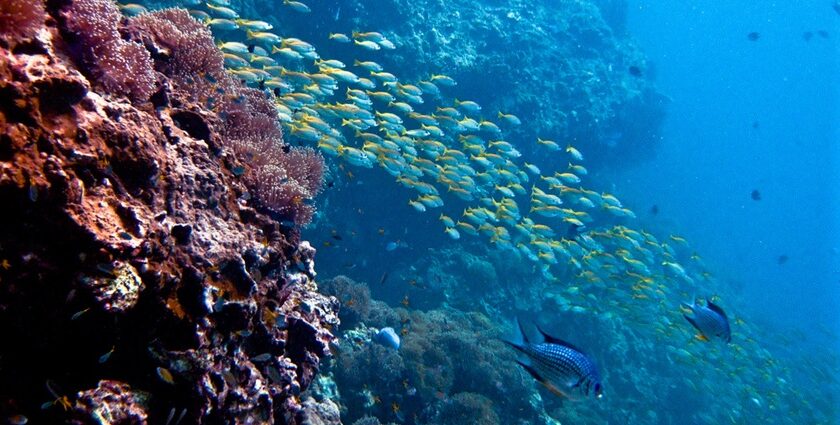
567	68
151	267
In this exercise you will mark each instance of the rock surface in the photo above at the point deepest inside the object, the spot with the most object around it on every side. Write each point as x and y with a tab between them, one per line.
138	283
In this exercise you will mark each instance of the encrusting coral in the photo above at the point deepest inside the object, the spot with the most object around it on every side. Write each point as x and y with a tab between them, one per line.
145	274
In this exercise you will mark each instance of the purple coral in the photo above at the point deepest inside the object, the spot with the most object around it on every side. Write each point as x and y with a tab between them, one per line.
21	18
122	67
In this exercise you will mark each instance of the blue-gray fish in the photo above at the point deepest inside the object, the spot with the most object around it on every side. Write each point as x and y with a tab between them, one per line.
563	368
709	319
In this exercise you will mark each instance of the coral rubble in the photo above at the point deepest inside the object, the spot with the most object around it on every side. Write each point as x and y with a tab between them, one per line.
152	267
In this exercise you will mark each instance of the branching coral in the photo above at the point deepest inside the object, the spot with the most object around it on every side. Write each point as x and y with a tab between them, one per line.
122	67
21	18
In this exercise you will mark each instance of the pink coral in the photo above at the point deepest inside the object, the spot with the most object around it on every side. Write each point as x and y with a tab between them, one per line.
122	67
21	18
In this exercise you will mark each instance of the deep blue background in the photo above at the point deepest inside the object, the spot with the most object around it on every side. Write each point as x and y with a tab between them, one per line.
748	115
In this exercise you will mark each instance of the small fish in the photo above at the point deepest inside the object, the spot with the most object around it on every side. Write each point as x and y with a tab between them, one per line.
297	6
634	71
341	38
234	47
17	420
755	195
563	368
222	24
510	119
571	150
200	16
453	233
265	37
443	80
79	314
368	45
264	357
392	246
710	320
104	358
132	9
165	375
782	259
654	210
753	36
550	144
223	12
254	25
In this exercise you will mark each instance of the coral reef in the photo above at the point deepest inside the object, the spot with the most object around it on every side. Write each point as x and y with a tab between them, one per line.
140	282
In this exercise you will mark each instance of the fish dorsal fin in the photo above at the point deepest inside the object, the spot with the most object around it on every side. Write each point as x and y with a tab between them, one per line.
715	308
552	340
693	323
522	331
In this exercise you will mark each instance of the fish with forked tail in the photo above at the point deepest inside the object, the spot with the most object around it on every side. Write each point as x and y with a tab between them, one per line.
563	368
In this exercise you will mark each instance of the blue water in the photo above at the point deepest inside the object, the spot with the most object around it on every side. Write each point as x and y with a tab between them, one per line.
712	156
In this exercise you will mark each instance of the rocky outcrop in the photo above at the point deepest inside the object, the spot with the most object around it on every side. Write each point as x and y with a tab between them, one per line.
141	280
